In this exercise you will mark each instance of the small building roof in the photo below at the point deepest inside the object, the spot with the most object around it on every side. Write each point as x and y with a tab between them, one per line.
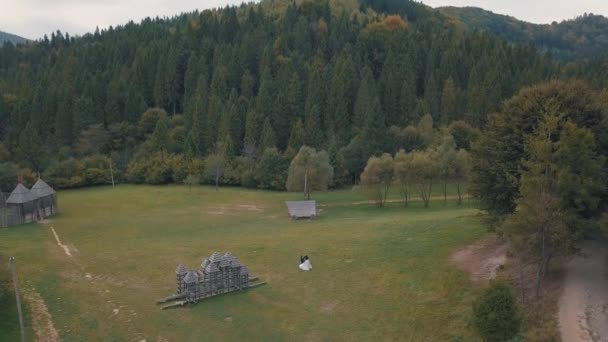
41	189
181	269
302	209
215	257
212	267
191	277
20	195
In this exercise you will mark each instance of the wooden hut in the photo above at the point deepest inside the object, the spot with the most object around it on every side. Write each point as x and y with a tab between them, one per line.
26	203
47	198
302	209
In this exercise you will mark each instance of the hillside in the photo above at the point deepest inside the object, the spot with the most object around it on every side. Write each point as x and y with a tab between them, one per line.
249	79
8	37
583	37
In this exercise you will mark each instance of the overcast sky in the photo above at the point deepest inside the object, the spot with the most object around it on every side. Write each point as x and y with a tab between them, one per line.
33	18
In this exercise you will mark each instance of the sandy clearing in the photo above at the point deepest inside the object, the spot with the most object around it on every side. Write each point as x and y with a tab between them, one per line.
481	259
583	305
233	209
42	322
66	249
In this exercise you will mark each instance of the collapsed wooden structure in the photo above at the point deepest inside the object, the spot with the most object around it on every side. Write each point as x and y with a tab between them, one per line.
218	274
302	209
24	206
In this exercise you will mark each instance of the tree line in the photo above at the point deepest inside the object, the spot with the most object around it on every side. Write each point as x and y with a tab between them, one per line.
240	80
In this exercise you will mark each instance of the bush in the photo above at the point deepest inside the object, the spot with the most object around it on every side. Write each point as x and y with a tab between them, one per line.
271	171
97	170
136	171
179	168
65	174
496	315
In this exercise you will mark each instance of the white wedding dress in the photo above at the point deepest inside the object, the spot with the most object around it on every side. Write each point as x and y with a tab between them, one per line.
306	266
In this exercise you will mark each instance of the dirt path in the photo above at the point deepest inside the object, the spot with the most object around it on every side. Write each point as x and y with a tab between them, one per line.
65	248
42	322
481	259
583	306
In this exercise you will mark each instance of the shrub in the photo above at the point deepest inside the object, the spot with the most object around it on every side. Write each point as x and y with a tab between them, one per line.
65	174
179	168
271	171
97	170
136	171
496	315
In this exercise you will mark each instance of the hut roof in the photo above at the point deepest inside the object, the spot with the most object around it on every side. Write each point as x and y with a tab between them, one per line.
191	277
302	209
181	269
205	263
20	195
41	189
244	270
225	261
215	257
212	267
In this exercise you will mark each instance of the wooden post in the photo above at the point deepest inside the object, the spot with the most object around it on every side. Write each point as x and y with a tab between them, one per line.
14	274
306	196
111	171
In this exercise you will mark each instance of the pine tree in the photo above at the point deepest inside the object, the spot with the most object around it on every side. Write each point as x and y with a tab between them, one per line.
366	96
313	132
408	100
341	94
268	136
449	102
160	138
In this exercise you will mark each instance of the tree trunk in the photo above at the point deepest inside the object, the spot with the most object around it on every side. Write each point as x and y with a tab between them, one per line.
306	193
445	191
111	172
428	194
459	194
217	178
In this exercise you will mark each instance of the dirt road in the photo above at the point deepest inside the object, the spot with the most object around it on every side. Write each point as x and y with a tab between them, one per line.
583	306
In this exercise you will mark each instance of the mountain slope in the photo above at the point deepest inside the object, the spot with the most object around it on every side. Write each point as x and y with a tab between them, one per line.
583	37
8	37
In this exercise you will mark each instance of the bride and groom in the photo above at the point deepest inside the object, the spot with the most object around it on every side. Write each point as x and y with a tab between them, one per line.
305	264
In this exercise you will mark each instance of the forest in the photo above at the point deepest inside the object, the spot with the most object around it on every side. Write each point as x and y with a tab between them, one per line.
231	95
582	37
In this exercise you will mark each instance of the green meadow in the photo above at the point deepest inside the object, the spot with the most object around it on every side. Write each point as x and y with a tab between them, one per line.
378	273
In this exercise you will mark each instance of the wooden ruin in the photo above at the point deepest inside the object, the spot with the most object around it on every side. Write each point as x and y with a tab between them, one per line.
218	274
302	209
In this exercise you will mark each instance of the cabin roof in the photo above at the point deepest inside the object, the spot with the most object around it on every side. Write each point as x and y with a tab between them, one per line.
41	189
191	277
181	269
302	209
20	195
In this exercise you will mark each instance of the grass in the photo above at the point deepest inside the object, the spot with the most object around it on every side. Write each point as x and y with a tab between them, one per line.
378	273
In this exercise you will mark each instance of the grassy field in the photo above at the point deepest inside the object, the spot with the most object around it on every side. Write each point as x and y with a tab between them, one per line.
378	273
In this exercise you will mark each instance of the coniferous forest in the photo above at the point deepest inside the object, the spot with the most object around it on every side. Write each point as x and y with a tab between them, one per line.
241	89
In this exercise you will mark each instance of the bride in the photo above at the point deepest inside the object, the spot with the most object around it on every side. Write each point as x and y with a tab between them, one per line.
305	264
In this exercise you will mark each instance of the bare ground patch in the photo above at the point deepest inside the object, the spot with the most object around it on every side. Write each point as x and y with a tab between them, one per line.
42	322
329	307
65	248
482	259
234	209
583	306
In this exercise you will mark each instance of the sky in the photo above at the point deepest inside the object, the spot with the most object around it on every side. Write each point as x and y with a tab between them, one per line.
34	18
